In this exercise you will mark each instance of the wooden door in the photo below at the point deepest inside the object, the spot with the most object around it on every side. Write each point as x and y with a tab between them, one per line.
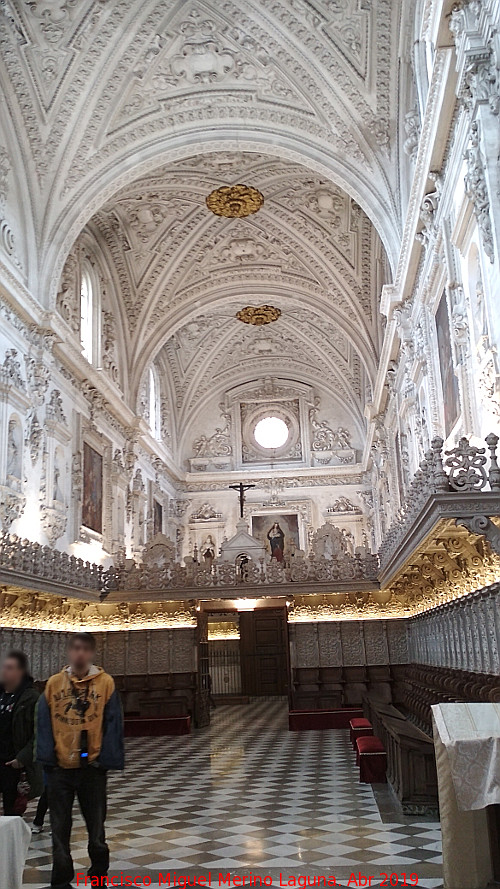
264	651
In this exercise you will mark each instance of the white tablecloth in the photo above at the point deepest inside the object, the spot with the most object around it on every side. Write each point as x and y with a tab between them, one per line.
470	734
15	838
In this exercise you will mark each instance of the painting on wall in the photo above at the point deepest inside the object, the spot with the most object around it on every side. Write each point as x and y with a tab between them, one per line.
157	517
449	382
92	489
278	533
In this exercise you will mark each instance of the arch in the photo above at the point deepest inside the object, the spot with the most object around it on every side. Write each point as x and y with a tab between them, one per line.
212	300
250	374
379	207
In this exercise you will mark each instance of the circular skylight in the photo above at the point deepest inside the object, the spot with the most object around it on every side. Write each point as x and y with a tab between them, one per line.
271	433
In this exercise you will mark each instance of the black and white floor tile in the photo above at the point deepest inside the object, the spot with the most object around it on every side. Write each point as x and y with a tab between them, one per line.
246	795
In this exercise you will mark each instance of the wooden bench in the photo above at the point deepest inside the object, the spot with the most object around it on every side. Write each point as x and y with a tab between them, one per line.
411	763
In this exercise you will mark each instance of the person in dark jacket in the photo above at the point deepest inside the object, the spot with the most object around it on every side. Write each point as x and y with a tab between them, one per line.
79	737
18	699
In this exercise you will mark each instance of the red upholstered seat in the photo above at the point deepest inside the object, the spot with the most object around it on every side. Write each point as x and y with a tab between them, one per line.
360	723
372	760
370	745
359	727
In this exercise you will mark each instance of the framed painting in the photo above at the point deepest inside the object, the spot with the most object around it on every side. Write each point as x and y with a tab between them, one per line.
449	382
92	489
278	532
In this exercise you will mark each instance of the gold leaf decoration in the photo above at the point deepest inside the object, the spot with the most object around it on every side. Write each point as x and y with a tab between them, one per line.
258	315
235	201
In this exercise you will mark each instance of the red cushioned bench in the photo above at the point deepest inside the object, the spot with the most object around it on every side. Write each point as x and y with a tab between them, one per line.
372	760
359	729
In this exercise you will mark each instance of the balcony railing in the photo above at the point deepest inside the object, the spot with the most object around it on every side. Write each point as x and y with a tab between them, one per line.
33	565
462	483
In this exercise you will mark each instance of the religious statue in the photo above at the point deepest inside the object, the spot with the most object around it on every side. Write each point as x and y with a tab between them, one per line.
348	541
13	452
201	446
242	567
57	493
343	438
276	539
217	445
241	488
208	552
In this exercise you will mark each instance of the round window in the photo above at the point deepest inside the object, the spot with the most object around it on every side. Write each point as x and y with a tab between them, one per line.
271	433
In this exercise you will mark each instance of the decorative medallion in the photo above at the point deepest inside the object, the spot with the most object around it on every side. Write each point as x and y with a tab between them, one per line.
258	315
235	201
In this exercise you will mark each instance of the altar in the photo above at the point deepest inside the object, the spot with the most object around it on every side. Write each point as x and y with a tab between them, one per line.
467	745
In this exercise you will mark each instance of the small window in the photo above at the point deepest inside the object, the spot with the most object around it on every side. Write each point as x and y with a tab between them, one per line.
87	317
153	403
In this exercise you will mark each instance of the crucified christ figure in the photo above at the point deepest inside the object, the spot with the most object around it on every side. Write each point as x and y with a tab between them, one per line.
241	488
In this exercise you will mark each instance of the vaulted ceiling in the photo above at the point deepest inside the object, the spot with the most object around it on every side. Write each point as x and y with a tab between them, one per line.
127	114
180	274
100	92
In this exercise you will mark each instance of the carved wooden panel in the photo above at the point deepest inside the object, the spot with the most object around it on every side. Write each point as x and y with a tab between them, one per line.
115	653
353	648
376	645
306	649
160	651
183	650
330	644
396	636
136	651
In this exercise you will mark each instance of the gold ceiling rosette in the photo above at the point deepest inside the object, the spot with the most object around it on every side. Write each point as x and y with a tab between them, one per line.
258	315
235	201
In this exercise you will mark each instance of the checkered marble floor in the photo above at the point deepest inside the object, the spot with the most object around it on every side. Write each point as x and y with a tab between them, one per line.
247	795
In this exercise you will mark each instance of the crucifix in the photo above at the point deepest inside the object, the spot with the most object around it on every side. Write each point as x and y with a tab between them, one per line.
241	488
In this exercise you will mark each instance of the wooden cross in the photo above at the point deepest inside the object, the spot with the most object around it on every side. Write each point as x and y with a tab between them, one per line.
241	488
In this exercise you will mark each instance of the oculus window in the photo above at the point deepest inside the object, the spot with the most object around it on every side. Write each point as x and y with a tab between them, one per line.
271	433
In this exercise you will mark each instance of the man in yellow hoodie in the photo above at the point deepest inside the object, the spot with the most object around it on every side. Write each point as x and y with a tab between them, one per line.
79	737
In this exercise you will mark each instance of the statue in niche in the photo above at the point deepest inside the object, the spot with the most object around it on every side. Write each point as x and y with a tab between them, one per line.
208	552
422	432
329	542
480	319
57	493
14	457
276	539
348	541
242	563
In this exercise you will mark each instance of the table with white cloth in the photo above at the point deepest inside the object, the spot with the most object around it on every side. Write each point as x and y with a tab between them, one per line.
467	745
15	836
